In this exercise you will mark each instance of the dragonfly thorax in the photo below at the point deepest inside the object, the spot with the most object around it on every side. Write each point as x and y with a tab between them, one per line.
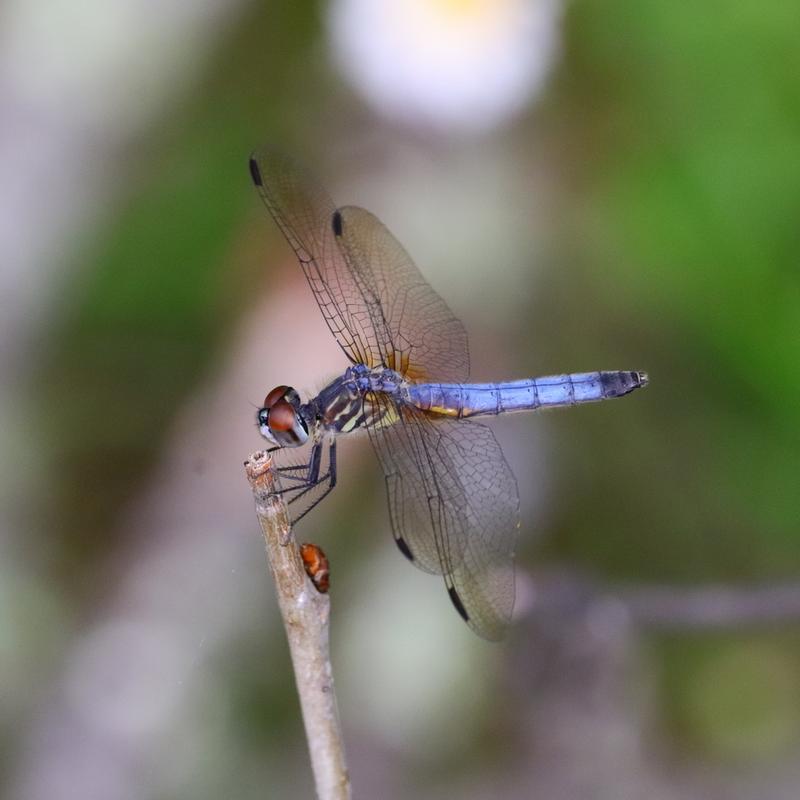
362	396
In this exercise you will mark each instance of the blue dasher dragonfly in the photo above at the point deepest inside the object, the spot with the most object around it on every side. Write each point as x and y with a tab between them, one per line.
453	500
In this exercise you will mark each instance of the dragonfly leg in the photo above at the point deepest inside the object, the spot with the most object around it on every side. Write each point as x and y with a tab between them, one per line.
311	481
300	473
306	476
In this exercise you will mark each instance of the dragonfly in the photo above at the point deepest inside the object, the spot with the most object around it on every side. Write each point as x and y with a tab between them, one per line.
453	499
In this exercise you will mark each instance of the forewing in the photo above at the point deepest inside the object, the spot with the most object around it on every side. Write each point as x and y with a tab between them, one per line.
454	509
305	214
418	334
374	299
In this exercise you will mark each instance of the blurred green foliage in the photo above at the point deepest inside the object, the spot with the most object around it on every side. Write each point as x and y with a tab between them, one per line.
732	697
685	233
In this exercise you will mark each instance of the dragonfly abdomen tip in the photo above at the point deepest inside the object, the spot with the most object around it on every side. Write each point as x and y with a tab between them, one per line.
617	384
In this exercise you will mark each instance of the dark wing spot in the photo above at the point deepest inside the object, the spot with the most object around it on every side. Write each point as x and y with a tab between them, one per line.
451	590
404	548
337	223
255	172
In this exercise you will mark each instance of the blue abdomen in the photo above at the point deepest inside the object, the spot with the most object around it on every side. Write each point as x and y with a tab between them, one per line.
474	399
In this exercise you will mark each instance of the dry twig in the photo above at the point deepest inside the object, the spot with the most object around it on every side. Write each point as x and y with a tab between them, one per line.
305	613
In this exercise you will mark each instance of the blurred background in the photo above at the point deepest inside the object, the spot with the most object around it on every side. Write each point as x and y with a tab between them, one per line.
590	186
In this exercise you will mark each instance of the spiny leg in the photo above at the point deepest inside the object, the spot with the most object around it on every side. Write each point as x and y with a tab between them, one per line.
311	480
307	475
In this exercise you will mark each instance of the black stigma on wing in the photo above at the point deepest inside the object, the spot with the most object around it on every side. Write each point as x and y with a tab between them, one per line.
255	172
404	548
337	223
457	602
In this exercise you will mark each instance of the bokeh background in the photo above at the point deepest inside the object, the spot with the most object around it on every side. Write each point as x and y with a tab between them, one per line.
590	186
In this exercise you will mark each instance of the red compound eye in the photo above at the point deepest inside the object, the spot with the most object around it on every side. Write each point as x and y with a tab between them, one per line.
281	416
276	394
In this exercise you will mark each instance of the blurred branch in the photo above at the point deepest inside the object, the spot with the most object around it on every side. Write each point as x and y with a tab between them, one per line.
680	607
305	613
586	706
674	607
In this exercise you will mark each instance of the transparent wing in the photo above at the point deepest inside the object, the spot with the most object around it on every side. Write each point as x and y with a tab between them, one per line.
454	508
417	332
304	212
375	301
452	498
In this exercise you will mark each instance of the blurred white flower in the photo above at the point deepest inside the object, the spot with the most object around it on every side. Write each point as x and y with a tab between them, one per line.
449	64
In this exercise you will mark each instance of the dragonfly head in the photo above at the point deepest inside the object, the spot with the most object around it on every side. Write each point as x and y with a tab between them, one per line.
280	420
